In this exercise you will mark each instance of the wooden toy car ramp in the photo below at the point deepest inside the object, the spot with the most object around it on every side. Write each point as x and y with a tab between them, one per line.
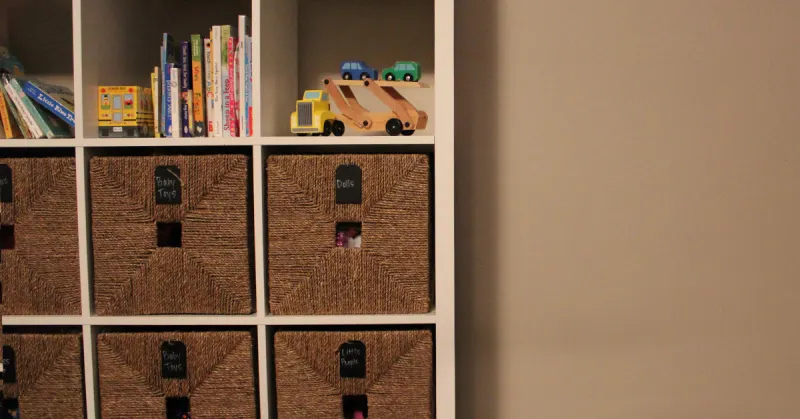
404	118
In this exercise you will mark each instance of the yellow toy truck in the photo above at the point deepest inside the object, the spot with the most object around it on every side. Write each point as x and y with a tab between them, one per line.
125	111
313	116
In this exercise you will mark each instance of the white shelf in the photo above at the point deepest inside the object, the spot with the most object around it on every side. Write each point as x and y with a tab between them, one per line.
288	58
223	320
195	142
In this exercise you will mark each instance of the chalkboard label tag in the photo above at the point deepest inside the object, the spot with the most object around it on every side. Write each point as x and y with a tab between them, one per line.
168	185
9	365
173	360
6	186
353	359
348	184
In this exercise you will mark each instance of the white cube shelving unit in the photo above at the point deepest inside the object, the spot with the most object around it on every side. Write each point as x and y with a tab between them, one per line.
296	44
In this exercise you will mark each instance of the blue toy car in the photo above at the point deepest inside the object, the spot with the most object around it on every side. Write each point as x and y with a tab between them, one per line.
358	70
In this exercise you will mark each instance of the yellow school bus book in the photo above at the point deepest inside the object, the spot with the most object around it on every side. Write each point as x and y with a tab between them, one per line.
125	111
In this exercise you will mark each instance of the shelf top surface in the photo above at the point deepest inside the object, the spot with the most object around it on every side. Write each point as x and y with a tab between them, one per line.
251	141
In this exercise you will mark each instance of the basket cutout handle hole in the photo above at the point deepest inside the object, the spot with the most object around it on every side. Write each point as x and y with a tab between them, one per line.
7	240
178	408
355	407
11	407
348	235
169	234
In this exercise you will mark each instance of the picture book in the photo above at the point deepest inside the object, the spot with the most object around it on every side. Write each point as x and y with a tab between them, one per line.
225	35
242	74
167	101
175	93
51	126
155	85
216	42
167	57
248	91
209	92
15	115
10	128
22	108
60	101
232	108
198	99
186	80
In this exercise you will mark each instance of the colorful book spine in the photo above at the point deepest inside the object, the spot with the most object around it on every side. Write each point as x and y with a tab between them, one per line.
26	133
225	35
216	47
248	90
209	83
50	103
241	75
155	86
26	106
232	108
167	57
186	80
175	92
9	127
198	99
167	101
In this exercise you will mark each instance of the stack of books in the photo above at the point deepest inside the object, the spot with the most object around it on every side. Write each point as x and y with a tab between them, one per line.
203	86
32	109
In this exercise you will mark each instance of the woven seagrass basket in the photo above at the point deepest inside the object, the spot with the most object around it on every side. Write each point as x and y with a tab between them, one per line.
219	374
188	256
388	274
397	381
49	377
39	268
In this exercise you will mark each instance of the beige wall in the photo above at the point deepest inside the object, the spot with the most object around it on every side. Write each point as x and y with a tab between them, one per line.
628	209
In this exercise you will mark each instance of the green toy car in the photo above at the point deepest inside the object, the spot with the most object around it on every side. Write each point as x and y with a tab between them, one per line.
403	70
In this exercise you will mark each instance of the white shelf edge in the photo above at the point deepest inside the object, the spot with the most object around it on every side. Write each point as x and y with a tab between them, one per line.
250	141
224	320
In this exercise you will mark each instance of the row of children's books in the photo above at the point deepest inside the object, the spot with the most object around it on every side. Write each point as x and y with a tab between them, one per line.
32	109
203	86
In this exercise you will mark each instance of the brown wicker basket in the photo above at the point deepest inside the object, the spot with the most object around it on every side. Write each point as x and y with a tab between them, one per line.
40	275
219	371
210	272
49	377
309	274
397	382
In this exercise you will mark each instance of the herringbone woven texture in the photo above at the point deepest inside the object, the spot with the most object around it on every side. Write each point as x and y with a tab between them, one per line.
308	274
210	274
49	375
398	384
220	381
40	276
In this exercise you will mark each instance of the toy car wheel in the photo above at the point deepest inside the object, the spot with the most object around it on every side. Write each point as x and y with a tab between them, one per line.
301	134
326	128
408	132
390	77
338	128
347	76
408	77
394	127
364	76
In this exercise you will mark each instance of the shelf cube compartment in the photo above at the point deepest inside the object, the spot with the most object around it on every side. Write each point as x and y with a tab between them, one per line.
152	374
39	268
172	234
42	374
349	234
382	374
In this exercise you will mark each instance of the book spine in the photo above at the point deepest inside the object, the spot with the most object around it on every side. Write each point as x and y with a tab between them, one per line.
225	35
217	50
248	91
49	103
156	83
209	81
175	92
27	118
241	116
167	111
232	108
26	133
8	129
38	119
198	126
186	80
